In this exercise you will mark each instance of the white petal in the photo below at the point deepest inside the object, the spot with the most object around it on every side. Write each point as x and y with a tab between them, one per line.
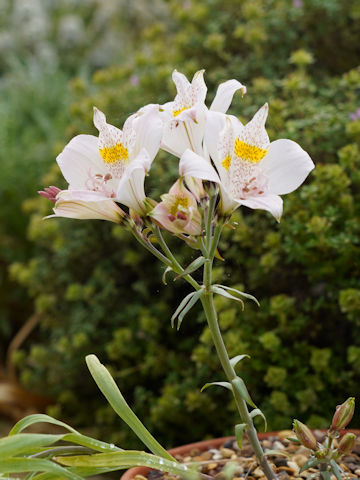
103	210
194	165
227	204
286	165
131	191
181	82
79	157
271	203
214	125
199	87
81	195
148	125
224	95
254	132
179	135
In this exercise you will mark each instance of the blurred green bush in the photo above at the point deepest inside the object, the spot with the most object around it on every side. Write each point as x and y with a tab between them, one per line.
97	291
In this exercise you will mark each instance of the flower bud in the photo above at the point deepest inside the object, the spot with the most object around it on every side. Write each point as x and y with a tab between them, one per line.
346	444
304	435
343	414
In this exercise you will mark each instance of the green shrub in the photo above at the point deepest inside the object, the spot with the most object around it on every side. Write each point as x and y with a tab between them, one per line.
98	292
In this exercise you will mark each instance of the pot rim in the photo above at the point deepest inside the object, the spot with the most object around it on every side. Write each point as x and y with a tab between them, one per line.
205	445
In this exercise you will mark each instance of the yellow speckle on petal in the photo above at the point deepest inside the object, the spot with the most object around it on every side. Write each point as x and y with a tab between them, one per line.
251	153
114	154
177	112
181	204
226	162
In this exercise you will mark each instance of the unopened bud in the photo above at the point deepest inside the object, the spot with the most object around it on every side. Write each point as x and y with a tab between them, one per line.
346	444
343	414
304	435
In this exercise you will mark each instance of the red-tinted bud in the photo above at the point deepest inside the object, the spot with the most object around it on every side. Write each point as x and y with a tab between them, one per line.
304	435
346	444
343	414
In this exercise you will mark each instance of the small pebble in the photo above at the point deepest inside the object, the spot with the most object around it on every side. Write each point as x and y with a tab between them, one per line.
300	459
278	445
226	452
229	444
294	467
267	444
357	471
210	466
285	434
257	473
140	477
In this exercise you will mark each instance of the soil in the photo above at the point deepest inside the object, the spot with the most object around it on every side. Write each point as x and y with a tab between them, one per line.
229	462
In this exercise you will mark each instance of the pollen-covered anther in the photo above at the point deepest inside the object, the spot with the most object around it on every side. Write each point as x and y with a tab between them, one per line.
181	216
115	153
171	217
177	112
251	153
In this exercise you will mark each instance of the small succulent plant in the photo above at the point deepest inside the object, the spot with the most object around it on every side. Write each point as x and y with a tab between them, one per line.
327	454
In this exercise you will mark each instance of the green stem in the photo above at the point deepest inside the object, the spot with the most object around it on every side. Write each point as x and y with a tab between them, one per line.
211	316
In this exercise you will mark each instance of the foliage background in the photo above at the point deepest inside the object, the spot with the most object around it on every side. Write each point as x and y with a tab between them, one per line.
94	290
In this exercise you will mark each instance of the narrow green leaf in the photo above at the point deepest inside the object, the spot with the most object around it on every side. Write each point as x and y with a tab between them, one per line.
224	293
182	305
239	292
89	442
163	278
108	387
197	263
235	360
220	384
239	385
22	465
312	462
122	460
335	469
38	418
325	475
278	453
256	412
189	306
239	433
22	442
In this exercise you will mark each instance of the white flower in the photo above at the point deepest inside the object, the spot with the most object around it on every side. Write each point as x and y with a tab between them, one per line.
185	118
252	171
95	168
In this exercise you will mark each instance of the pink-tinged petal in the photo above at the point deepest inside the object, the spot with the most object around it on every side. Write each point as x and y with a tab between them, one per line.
224	95
148	127
102	210
270	203
82	195
131	191
178	212
194	165
286	165
80	156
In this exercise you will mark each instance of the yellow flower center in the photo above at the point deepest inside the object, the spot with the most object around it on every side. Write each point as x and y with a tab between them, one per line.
114	154
251	153
181	204
177	112
226	162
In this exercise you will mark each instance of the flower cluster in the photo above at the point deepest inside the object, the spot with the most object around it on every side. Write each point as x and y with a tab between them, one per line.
106	174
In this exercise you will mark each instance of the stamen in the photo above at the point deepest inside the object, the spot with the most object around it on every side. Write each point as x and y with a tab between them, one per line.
50	193
177	112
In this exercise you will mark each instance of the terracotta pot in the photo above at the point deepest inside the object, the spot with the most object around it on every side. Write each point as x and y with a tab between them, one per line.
205	445
201	446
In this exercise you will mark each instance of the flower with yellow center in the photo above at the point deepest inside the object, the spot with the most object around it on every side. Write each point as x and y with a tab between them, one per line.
114	164
251	171
178	211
